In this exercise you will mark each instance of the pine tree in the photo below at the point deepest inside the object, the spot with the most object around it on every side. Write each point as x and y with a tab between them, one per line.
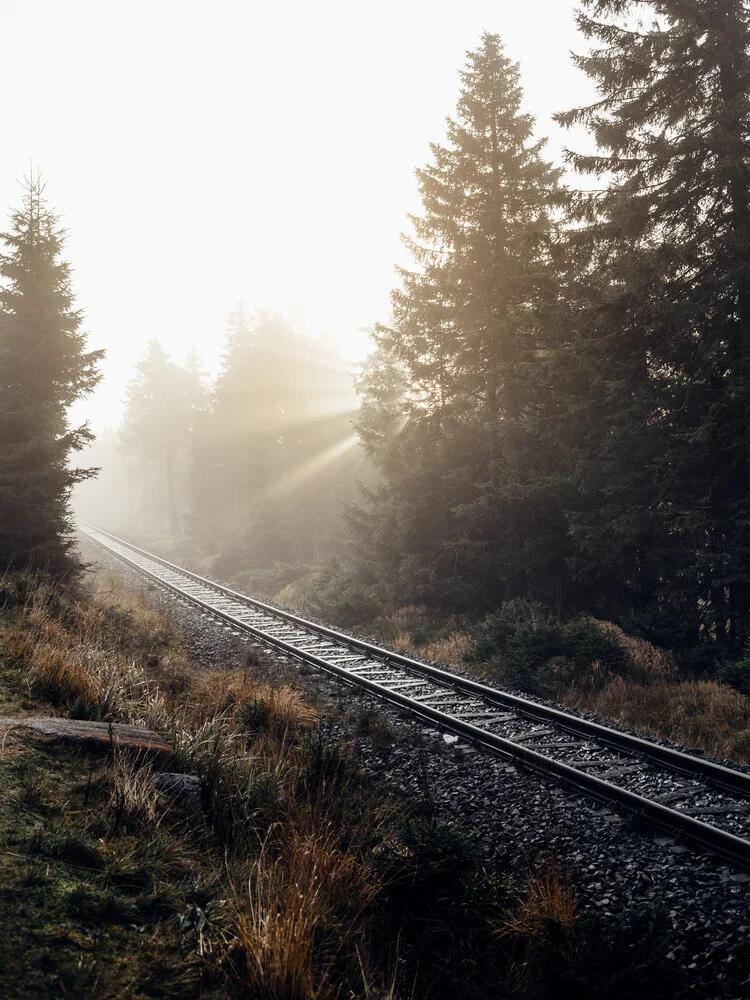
468	330
660	417
44	369
162	409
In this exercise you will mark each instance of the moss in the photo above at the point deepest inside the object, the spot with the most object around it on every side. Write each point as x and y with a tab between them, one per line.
75	918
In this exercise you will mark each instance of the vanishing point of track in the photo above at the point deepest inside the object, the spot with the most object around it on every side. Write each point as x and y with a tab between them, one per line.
705	802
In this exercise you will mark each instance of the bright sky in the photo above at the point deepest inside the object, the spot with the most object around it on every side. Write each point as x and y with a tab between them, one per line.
205	153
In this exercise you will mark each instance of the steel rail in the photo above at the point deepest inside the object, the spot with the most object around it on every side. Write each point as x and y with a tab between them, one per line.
727	845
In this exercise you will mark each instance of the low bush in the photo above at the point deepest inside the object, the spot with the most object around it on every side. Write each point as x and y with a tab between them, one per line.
253	715
411	620
380	731
529	647
428	867
328	768
736	673
438	904
622	958
339	597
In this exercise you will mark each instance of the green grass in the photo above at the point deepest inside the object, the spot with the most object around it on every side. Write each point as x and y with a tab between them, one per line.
84	915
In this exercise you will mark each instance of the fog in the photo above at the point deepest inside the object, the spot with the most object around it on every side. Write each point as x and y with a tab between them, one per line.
203	155
254	158
249	470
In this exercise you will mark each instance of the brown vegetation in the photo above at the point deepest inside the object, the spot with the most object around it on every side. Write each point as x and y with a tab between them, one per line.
549	899
295	878
416	630
704	714
648	695
652	698
284	832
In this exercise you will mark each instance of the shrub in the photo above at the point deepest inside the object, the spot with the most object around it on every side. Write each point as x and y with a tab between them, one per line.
621	958
736	673
278	711
517	639
328	768
438	906
377	727
253	715
429	870
17	589
531	648
337	596
588	642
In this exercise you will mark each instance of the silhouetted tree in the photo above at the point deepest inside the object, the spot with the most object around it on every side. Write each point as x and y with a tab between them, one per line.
44	369
460	491
274	458
656	380
164	401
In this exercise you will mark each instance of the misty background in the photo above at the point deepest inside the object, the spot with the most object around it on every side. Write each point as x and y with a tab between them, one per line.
205	155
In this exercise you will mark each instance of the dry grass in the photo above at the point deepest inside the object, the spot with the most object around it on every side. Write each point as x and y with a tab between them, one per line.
72	659
295	595
702	714
375	726
276	804
302	906
449	650
644	661
133	796
291	838
549	897
415	629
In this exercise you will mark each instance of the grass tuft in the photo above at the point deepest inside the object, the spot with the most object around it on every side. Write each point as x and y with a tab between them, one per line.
704	714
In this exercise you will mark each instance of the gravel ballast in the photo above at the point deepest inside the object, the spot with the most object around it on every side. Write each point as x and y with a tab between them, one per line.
516	816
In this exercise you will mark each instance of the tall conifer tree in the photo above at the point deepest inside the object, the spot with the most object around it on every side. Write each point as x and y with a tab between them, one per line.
468	332
44	369
163	407
659	407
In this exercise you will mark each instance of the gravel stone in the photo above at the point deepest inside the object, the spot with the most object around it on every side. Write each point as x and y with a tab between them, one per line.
516	817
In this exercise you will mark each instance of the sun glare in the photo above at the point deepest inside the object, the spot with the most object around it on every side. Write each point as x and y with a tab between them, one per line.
312	467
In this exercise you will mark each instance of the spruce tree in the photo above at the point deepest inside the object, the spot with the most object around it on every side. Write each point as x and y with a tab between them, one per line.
659	391
461	476
44	369
162	409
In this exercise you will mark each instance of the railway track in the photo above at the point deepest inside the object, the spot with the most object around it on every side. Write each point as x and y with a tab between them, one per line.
704	802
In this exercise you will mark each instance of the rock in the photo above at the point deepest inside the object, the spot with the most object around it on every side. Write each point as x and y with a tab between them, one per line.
98	736
186	788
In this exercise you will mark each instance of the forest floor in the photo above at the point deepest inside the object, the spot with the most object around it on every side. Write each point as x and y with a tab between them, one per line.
293	877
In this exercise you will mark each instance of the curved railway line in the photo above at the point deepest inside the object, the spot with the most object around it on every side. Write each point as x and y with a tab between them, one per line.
705	802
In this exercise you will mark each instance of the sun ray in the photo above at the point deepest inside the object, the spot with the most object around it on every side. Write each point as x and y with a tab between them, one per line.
295	478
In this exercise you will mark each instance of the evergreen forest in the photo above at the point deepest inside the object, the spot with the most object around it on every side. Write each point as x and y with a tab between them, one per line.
557	410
